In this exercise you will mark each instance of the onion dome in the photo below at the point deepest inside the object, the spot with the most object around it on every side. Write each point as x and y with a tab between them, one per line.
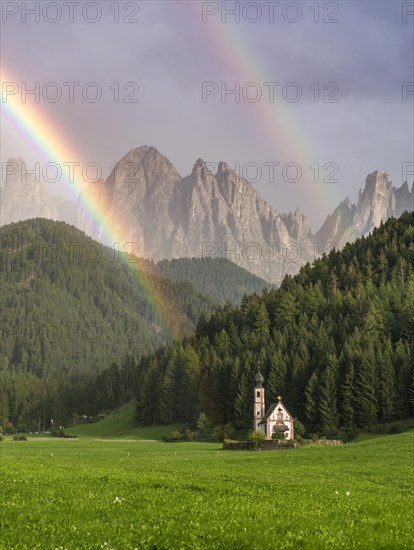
259	379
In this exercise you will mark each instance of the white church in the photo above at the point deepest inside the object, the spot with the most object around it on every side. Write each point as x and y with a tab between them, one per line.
276	419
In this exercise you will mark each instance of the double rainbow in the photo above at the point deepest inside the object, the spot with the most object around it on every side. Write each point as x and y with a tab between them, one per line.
48	139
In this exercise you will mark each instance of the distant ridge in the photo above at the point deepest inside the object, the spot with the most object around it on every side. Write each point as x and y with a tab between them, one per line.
204	214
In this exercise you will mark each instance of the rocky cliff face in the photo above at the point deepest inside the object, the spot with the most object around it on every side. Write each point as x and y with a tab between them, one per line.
159	214
337	223
298	225
22	197
378	201
203	214
137	202
404	199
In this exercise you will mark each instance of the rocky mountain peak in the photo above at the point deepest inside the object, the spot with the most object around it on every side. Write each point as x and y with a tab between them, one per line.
224	167
225	173
376	202
404	198
23	196
143	166
199	164
377	183
336	224
346	203
297	224
201	173
14	166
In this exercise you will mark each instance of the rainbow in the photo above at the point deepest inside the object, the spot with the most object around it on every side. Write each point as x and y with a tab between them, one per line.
277	118
49	142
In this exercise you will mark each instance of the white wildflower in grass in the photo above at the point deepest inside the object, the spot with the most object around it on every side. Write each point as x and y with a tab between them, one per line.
336	493
117	499
347	493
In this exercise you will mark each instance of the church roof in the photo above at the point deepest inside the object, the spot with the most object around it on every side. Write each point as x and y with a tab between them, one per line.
271	409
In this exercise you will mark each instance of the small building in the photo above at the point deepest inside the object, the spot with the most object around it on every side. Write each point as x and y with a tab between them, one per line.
277	419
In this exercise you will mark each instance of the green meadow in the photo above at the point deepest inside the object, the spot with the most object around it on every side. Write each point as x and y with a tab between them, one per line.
97	493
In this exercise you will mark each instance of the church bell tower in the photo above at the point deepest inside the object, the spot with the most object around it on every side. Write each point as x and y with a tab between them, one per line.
259	401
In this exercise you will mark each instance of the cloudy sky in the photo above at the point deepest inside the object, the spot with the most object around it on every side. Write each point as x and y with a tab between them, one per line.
317	98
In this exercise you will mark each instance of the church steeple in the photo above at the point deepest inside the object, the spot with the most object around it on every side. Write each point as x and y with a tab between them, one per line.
259	400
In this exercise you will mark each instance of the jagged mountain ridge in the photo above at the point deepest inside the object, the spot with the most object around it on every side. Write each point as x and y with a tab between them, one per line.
222	215
378	201
168	216
23	197
203	214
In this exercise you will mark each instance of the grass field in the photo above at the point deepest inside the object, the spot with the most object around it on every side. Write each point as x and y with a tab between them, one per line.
90	494
122	424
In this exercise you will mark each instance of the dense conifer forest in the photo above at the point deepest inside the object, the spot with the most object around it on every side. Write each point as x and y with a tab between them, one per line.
76	318
336	341
216	277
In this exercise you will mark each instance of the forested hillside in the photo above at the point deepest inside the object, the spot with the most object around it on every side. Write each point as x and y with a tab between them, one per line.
336	341
216	277
70	307
77	316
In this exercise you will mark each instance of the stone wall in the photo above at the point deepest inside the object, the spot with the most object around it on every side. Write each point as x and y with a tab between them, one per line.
266	445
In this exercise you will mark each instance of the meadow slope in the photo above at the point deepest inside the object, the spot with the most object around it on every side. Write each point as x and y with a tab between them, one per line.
122	424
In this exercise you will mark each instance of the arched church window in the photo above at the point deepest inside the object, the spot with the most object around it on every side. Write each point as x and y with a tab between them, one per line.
258	394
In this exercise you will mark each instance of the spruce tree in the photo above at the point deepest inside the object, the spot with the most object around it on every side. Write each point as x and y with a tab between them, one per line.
327	416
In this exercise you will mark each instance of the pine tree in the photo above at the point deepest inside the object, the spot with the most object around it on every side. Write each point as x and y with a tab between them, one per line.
166	390
346	392
275	378
385	382
242	400
403	374
232	390
261	325
407	312
327	403
365	401
147	403
285	310
311	396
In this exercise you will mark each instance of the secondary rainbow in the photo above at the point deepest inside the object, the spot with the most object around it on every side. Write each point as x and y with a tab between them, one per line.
277	118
